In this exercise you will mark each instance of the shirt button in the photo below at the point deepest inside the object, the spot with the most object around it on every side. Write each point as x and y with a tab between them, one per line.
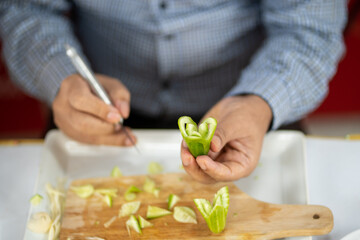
163	5
169	37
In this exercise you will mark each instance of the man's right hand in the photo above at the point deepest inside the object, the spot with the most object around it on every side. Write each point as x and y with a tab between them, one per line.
81	115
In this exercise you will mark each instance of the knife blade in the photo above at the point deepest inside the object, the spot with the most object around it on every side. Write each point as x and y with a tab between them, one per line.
95	85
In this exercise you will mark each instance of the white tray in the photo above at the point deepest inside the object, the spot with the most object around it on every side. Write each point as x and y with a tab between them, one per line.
279	177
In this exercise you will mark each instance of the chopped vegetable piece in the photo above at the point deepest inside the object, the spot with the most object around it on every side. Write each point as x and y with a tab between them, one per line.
155	168
144	223
134	224
130	196
107	191
129	208
108	200
36	199
116	172
130	193
39	222
84	191
197	138
57	201
149	185
155	212
215	214
172	200
108	223
184	215
156	192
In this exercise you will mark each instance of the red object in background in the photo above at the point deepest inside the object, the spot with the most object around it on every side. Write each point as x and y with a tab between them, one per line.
23	116
344	89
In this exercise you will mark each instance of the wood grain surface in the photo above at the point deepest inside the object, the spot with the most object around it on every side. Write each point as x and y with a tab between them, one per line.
248	218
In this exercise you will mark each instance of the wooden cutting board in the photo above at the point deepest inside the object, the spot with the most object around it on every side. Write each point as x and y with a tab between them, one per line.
248	218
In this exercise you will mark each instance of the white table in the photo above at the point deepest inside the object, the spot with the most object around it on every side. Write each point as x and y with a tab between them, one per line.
333	175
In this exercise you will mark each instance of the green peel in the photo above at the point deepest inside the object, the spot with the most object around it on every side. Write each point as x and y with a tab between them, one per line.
172	200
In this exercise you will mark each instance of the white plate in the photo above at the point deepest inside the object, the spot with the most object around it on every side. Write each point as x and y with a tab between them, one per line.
279	177
352	236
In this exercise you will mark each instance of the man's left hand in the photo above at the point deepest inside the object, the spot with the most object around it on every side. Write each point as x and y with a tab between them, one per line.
236	146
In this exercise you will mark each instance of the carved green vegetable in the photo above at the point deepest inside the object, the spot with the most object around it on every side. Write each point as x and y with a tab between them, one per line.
197	139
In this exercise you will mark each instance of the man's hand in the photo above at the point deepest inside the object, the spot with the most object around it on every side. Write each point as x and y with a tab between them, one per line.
86	118
236	145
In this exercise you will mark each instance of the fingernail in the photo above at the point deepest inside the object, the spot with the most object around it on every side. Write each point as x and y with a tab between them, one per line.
123	108
186	162
184	144
217	142
128	142
113	116
202	166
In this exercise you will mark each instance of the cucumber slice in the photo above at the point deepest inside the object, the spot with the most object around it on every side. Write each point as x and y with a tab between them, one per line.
107	191
172	200
155	212
129	196
116	172
108	200
130	193
36	199
155	168
149	185
129	208
144	223
134	224
184	215
84	191
156	192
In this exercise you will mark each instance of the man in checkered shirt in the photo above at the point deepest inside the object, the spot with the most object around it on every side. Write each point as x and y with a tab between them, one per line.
253	65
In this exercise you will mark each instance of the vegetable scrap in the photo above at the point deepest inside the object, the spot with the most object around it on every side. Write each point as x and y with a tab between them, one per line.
116	172
155	212
155	168
129	208
184	215
36	199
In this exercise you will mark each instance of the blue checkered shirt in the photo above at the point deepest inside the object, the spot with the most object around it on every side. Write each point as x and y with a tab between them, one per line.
181	56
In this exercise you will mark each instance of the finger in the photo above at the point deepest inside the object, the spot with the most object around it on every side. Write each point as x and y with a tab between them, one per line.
118	93
192	168
116	139
219	139
226	170
86	123
83	100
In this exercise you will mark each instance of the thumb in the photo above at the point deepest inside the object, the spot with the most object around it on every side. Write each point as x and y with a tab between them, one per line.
219	140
